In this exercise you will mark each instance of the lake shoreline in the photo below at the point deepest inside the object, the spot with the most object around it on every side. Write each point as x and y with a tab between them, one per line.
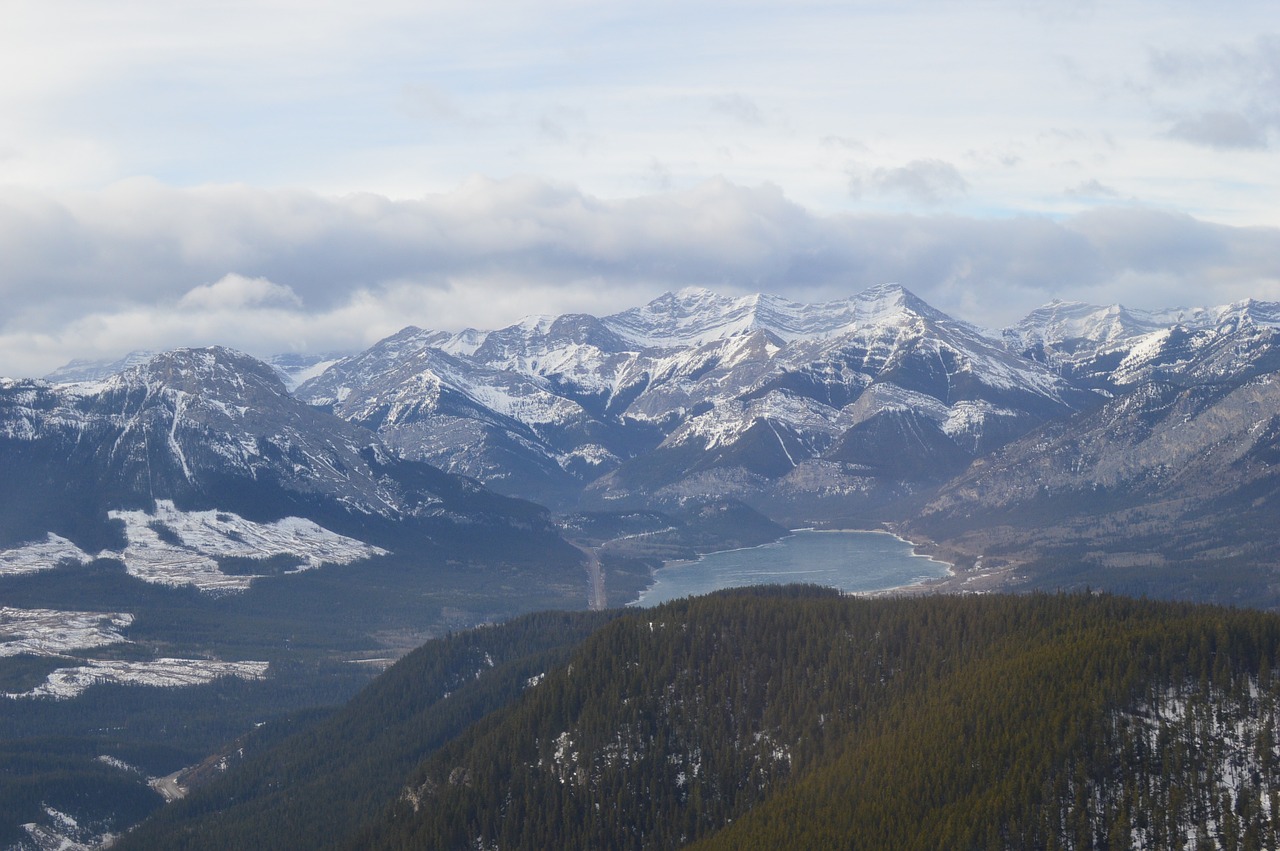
839	565
916	551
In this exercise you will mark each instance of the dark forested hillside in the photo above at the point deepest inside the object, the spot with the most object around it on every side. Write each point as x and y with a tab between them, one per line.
320	784
789	718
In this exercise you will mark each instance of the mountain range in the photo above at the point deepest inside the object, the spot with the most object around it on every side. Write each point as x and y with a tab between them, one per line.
213	429
267	540
803	411
1127	448
1119	441
1169	486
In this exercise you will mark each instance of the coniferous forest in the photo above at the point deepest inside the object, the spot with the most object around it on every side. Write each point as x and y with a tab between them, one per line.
793	717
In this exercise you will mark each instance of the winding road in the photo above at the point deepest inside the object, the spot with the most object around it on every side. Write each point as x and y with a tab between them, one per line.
596	599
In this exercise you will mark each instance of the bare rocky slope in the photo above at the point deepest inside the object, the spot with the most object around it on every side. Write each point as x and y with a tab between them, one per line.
802	410
1100	444
1169	488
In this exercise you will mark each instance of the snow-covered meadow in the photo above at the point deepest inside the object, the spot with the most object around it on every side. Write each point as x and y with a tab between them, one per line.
174	547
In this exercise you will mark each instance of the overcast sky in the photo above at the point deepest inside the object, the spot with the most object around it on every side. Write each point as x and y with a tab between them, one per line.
306	176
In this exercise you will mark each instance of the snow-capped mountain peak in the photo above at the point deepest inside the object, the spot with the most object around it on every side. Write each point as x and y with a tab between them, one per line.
890	303
1113	346
200	370
1067	324
81	370
768	377
694	316
1261	313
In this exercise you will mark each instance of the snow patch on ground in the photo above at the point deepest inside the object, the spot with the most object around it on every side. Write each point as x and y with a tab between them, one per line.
66	683
48	632
42	555
202	537
119	764
205	536
726	423
589	453
58	834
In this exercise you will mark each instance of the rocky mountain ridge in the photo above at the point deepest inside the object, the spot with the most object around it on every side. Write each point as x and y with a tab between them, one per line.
1149	429
787	406
1169	487
291	367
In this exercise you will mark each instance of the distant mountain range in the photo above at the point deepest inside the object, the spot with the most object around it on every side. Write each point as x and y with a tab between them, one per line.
215	430
1169	486
1143	437
805	411
185	517
292	368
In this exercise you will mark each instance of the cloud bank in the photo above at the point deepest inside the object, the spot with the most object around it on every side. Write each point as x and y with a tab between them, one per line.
142	265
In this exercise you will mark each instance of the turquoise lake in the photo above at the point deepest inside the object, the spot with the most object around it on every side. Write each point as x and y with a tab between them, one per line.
849	561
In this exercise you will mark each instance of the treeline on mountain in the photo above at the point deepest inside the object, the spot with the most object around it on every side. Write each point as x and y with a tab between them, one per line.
91	757
325	782
304	625
789	717
308	626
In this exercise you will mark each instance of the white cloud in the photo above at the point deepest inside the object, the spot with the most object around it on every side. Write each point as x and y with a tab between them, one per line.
97	274
1220	129
403	98
1224	96
280	175
927	181
236	292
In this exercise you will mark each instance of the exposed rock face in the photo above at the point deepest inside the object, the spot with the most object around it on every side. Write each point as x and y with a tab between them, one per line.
696	395
1178	468
1107	436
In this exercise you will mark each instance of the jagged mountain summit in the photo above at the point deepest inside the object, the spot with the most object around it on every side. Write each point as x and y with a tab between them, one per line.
792	407
186	540
1107	347
292	368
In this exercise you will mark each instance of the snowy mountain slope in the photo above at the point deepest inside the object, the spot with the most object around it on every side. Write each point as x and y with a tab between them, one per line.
1065	327
694	316
1175	480
187	419
212	429
664	395
1111	347
81	369
506	428
292	368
